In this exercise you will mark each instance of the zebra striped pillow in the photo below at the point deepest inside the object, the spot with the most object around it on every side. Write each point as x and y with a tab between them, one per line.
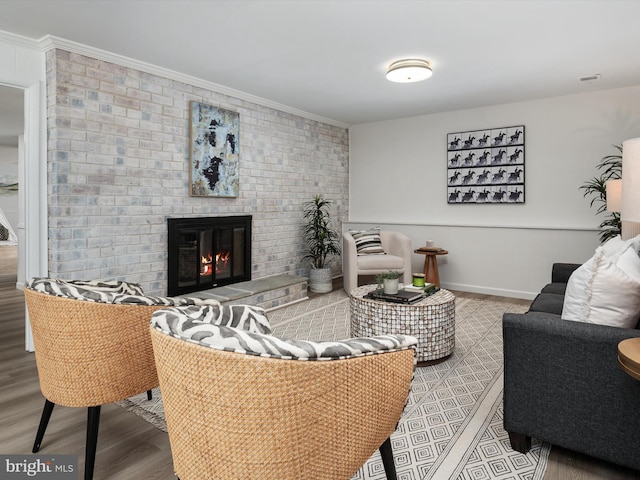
122	299
195	322
108	291
181	322
92	290
368	242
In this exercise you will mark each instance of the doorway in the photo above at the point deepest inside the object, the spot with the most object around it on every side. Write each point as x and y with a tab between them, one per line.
22	120
11	137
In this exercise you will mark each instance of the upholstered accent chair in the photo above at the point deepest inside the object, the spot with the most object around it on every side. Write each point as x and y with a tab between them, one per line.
92	346
367	261
242	403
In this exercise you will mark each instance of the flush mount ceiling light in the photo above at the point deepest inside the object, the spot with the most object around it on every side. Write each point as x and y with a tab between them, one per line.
407	71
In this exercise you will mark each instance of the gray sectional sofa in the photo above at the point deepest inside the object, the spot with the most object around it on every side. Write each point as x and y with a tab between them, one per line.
562	382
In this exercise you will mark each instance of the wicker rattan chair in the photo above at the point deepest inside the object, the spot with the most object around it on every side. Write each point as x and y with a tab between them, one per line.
90	352
241	405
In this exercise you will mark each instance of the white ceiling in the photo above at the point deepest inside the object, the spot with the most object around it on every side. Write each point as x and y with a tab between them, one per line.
329	58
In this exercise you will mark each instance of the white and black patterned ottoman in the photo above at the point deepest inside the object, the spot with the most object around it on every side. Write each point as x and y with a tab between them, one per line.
431	320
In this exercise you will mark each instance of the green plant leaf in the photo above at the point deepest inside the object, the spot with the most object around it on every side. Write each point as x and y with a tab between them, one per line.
610	168
321	239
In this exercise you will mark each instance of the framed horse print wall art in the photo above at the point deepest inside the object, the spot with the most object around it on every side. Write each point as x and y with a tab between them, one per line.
486	166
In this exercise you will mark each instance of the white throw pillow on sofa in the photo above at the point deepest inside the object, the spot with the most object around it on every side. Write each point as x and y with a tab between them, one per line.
615	246
606	289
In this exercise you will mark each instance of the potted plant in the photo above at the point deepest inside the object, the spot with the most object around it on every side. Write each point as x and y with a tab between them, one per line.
389	281
322	241
611	169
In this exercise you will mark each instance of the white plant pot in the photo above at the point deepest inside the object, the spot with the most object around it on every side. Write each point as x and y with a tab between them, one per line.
390	285
320	280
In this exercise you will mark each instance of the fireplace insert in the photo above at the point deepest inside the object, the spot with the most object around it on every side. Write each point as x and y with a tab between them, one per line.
207	252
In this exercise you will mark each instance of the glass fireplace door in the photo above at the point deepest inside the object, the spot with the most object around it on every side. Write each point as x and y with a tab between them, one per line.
207	272
187	258
224	247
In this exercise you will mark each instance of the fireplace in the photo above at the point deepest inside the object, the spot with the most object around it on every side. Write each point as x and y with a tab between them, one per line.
207	252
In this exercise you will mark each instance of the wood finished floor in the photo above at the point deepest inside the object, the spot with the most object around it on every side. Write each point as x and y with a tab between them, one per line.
129	447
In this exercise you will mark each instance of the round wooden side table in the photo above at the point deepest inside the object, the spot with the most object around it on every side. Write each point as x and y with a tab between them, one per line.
431	264
629	356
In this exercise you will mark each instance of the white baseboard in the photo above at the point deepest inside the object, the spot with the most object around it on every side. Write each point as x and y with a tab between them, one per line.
490	291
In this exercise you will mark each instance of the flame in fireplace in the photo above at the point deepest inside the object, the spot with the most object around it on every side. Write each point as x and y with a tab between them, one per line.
222	261
206	265
221	265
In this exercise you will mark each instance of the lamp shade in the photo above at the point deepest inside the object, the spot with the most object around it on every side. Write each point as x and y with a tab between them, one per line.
630	214
614	195
631	180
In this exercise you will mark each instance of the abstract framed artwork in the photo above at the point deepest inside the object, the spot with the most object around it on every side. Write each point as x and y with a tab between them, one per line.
213	169
486	166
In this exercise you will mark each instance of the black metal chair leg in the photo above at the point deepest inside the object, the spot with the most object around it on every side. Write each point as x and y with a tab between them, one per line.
93	421
44	421
149	395
387	459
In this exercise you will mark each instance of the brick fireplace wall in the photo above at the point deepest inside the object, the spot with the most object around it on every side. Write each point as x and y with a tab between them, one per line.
118	167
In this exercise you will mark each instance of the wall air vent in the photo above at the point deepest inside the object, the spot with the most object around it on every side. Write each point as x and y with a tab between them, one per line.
590	78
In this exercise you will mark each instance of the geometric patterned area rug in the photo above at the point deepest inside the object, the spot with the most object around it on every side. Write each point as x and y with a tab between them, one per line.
452	425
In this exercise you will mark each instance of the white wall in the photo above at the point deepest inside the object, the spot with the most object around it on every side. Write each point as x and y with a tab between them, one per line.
503	249
9	170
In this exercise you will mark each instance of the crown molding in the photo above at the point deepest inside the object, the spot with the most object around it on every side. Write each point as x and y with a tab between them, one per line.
50	42
18	40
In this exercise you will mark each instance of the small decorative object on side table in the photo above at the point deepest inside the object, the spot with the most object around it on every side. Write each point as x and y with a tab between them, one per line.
388	281
629	356
431	262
